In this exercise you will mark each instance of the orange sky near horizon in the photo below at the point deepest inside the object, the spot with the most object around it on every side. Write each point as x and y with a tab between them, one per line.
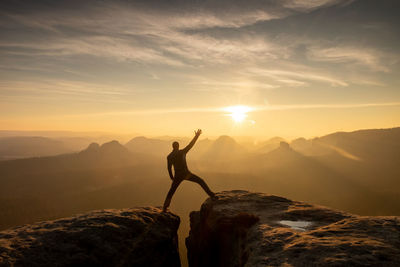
288	123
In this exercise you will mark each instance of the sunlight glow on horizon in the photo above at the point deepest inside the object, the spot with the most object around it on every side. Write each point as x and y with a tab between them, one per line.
238	113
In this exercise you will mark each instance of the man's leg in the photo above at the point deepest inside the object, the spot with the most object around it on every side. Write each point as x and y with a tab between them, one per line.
197	179
174	186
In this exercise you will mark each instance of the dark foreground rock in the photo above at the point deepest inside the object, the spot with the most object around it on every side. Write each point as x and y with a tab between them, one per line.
126	237
254	229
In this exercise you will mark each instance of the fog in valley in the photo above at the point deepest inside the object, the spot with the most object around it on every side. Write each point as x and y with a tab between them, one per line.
351	171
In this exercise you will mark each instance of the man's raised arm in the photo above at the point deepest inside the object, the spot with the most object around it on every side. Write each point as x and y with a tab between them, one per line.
191	144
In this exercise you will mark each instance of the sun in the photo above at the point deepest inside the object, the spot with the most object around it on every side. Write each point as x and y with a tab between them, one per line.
238	113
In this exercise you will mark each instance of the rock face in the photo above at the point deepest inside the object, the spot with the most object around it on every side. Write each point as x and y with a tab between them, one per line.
254	229
126	237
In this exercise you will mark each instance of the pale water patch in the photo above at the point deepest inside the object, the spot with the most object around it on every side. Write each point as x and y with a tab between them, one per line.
296	225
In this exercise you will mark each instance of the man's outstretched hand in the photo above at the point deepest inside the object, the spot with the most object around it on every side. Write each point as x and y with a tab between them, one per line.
191	144
198	132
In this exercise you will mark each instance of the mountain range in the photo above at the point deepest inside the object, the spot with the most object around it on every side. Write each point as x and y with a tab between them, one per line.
356	171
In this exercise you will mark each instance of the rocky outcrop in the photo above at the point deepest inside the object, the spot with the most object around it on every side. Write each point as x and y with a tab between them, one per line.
126	237
254	229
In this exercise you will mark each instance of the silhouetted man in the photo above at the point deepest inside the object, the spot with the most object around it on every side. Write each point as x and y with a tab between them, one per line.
177	158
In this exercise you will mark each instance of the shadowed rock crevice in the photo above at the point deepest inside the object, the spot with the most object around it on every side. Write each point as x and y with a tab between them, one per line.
126	237
221	244
253	229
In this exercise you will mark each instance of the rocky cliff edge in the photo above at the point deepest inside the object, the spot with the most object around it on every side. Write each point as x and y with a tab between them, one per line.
253	229
125	237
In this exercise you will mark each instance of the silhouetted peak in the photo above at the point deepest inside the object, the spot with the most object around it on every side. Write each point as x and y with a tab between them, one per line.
283	151
112	146
300	140
142	140
224	139
276	139
106	148
112	143
224	148
138	138
142	144
93	147
284	145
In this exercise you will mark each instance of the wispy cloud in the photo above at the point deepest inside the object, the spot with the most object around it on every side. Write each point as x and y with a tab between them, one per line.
326	106
313	4
154	32
232	86
60	88
370	58
99	46
188	34
295	78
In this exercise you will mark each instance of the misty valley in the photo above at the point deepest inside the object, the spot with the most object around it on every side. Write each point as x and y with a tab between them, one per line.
356	172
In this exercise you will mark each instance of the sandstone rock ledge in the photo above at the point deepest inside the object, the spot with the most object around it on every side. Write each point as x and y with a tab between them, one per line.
254	229
125	237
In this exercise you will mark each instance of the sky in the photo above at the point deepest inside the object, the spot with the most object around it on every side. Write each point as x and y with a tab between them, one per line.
300	67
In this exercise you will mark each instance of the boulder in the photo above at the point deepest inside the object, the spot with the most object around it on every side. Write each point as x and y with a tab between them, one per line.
124	237
242	228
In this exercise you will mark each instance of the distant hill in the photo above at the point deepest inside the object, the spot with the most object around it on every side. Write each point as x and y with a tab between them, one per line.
202	149
374	144
30	146
150	146
26	144
225	148
366	144
364	156
100	137
300	175
45	171
269	145
48	187
110	153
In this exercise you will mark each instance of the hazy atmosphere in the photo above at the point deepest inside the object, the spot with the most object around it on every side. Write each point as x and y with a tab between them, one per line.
100	101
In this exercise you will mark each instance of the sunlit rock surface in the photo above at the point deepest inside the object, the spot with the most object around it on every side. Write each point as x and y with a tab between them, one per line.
254	229
125	237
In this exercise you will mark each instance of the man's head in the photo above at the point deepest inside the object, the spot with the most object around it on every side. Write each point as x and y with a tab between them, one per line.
175	145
